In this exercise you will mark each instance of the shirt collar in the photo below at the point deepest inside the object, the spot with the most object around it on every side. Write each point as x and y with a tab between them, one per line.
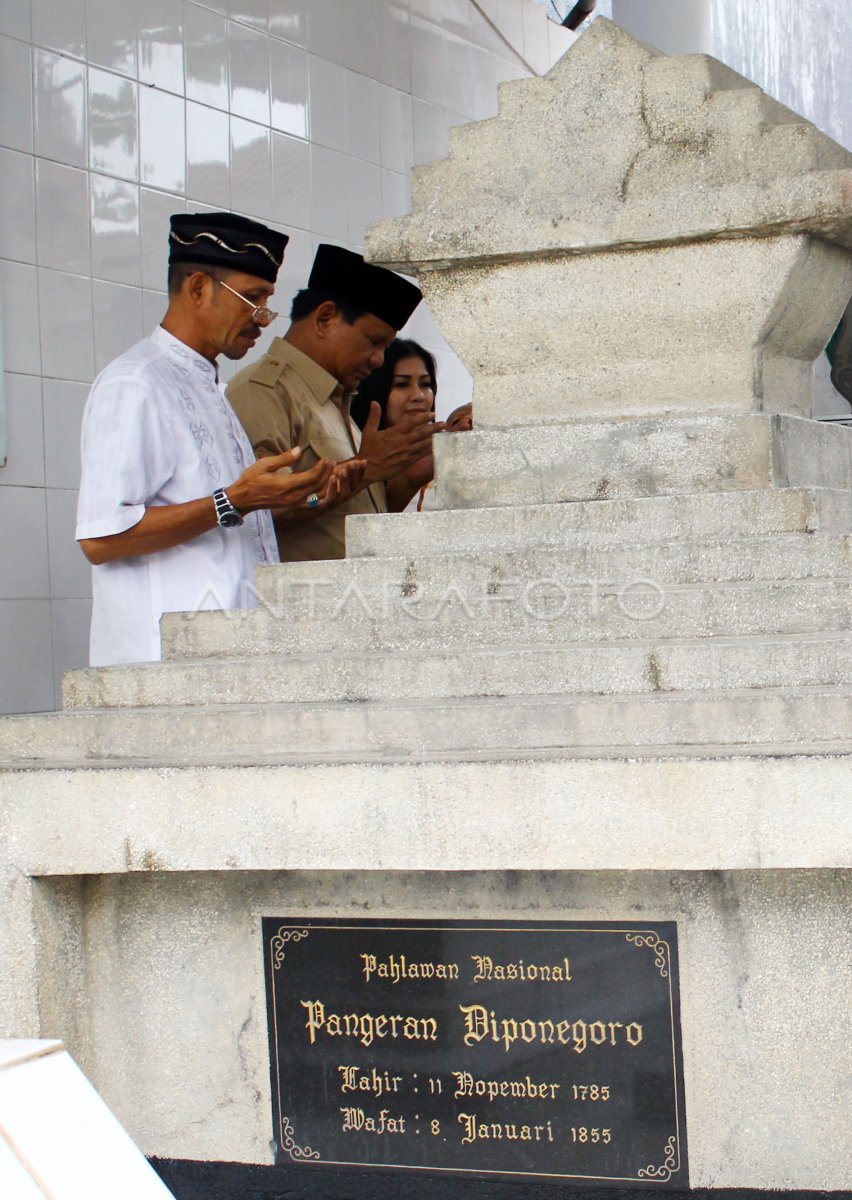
323	387
176	349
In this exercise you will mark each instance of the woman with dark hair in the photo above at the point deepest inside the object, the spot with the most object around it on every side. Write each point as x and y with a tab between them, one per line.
406	383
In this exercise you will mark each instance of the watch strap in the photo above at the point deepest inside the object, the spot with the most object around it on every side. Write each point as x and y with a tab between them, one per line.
226	514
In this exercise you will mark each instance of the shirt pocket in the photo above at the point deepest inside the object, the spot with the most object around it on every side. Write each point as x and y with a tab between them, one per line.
337	449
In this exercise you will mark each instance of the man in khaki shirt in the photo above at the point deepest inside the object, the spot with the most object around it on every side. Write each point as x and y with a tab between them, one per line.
298	394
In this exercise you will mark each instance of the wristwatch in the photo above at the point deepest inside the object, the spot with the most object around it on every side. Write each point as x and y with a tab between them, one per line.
227	516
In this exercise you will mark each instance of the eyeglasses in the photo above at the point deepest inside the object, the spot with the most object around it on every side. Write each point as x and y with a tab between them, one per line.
260	314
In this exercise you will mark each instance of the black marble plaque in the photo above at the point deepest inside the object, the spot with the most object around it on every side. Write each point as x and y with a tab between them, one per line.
515	1049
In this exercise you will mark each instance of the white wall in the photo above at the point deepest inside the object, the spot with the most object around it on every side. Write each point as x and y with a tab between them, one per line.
306	114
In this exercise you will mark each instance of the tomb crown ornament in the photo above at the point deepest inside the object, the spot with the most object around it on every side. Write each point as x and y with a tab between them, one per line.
633	234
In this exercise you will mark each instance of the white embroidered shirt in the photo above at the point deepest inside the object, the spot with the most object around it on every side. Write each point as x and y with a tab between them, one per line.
158	429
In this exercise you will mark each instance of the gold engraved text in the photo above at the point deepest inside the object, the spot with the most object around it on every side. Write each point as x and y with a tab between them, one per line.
498	1131
366	1027
520	971
495	1089
378	1083
356	1120
481	1023
398	968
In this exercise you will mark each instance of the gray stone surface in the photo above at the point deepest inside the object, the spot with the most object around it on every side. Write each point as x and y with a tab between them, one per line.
301	587
712	663
546	811
577	250
614	459
500	611
729	515
751	991
792	721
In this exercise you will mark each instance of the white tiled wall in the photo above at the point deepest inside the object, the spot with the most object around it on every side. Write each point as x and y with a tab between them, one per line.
306	114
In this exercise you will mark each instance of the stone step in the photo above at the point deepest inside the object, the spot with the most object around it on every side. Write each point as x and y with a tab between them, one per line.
457	614
685	561
727	515
711	664
407	729
604	460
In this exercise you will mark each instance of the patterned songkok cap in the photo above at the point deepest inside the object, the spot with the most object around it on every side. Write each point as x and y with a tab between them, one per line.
226	240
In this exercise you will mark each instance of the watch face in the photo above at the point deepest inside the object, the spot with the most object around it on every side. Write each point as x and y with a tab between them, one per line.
230	519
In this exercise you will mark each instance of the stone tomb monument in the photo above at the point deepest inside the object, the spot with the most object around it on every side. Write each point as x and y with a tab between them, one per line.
609	682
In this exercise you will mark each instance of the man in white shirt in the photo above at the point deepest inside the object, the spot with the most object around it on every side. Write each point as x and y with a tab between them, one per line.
174	512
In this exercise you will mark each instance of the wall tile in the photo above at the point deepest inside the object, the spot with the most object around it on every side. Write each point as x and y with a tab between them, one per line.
510	21
329	218
291	182
111	28
67	337
363	128
162	140
17	206
328	103
23	544
559	41
250	12
208	154
363	196
155	210
113	125
116	239
118	320
396	130
19	301
428	9
484	31
62	217
161	45
24	432
60	27
455	16
70	572
345	33
536	40
63	404
430	133
15	19
296	269
154	305
288	19
26	660
248	55
396	199
459	92
251	169
487	72
289	88
70	620
206	52
394	66
427	76
16	95
60	109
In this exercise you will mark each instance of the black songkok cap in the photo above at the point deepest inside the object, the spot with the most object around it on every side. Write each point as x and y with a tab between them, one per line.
376	290
226	240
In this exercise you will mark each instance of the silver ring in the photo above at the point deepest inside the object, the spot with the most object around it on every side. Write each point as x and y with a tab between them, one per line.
312	500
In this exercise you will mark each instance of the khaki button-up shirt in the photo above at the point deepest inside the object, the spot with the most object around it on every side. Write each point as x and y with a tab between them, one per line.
285	399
